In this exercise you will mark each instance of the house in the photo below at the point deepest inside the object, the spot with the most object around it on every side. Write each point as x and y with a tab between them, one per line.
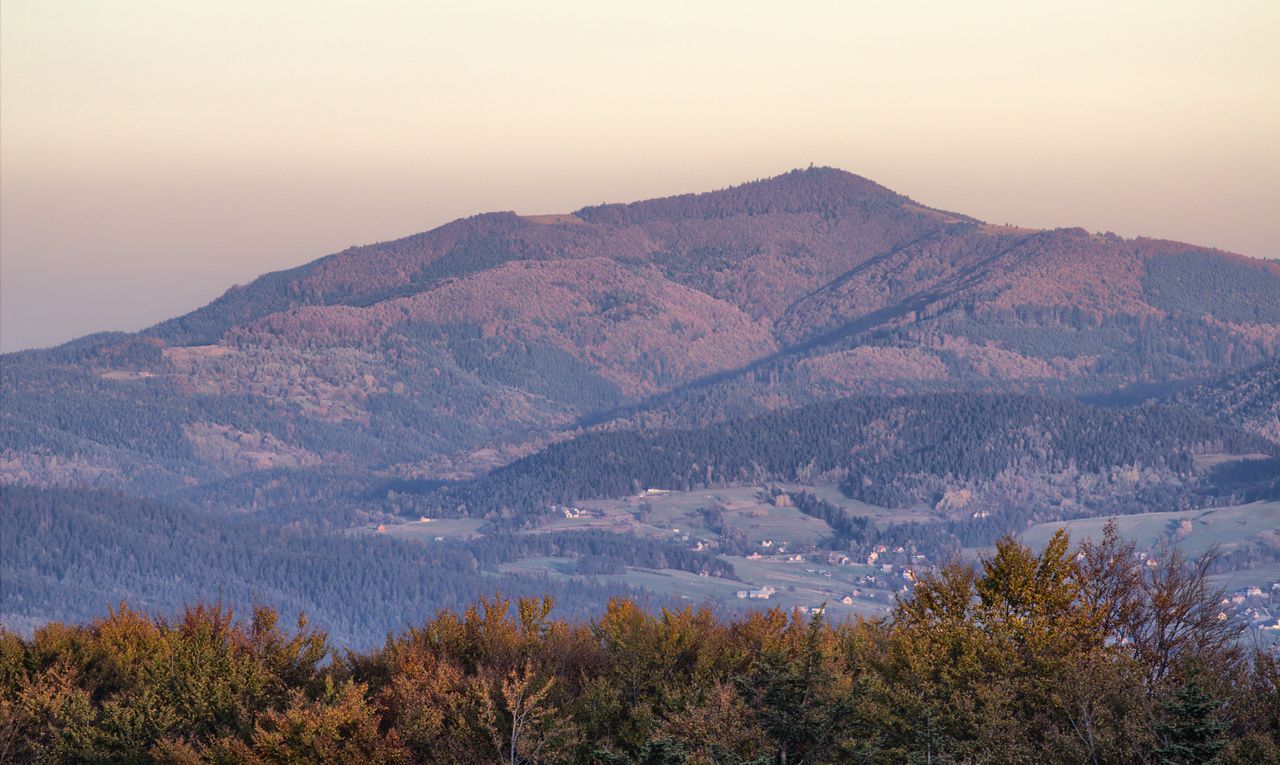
764	593
847	600
838	559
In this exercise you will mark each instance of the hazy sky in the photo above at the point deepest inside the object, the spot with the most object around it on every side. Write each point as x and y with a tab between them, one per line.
153	153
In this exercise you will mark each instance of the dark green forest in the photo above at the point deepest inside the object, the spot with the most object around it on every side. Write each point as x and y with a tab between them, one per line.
68	554
886	451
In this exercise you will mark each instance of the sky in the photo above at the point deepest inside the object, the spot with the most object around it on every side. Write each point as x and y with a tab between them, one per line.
153	153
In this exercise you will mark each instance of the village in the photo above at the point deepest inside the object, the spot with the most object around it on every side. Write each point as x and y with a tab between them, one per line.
1257	606
781	557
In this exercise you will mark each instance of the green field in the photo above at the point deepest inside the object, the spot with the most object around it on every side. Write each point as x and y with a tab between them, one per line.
679	512
427	531
809	581
1262	576
794	586
830	492
679	584
1195	530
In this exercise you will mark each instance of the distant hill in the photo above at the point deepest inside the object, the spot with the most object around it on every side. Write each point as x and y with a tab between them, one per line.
444	354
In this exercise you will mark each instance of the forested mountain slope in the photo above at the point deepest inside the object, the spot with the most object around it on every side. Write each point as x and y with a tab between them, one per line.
443	354
1248	399
960	455
73	554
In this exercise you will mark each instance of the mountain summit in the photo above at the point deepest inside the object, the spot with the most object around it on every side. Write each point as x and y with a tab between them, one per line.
447	352
817	189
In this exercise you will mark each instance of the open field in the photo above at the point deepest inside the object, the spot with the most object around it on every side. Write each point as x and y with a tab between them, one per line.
1196	530
796	584
743	508
1262	576
812	582
428	530
830	492
670	582
680	512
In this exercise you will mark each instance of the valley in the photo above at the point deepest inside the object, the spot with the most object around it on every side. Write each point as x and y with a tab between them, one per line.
783	557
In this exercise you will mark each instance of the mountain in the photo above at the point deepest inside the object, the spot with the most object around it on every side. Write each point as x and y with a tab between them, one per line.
446	353
666	400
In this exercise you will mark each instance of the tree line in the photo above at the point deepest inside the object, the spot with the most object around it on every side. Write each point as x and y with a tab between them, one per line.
1076	655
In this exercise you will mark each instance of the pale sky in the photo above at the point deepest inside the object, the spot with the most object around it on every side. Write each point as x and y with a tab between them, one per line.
153	153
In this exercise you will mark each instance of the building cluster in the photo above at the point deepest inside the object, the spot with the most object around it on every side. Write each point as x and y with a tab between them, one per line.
572	512
1258	605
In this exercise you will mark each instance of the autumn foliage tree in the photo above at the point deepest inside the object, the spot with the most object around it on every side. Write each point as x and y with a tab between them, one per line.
1066	655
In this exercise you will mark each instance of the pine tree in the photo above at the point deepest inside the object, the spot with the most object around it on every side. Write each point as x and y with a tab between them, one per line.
1190	733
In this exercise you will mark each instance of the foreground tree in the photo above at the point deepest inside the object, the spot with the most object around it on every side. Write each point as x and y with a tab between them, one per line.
1062	656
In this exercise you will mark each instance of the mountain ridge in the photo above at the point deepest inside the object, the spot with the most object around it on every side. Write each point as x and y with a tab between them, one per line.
446	352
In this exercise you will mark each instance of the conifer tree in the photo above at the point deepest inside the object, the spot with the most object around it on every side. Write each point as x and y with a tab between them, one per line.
1191	733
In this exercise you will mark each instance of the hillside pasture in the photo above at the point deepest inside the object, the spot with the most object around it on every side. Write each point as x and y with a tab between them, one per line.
795	587
744	508
427	530
1197	531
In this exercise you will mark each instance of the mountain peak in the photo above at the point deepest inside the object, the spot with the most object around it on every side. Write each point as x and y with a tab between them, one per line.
823	190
